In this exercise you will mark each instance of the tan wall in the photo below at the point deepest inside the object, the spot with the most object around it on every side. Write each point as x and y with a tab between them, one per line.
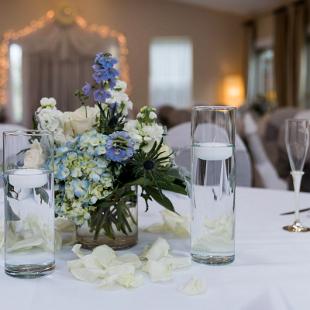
216	37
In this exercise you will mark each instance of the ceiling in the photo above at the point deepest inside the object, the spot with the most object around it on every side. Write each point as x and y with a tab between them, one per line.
239	7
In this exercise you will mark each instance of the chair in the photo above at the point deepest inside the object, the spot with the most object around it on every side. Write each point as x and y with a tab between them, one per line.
262	164
179	139
8	127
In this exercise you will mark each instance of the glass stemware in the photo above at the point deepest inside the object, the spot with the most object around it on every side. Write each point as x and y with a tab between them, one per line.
297	143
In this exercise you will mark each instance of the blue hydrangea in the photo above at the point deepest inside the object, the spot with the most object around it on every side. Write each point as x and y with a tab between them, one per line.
119	146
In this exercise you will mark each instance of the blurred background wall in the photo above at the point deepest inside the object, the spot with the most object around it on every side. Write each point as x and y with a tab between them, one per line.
216	37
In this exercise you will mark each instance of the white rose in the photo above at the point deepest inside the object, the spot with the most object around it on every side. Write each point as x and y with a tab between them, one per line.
34	157
67	126
166	151
48	102
50	119
59	136
84	119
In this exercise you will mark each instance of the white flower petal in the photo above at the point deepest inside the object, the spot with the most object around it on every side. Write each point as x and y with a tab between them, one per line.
194	286
159	271
132	259
160	248
104	254
77	250
177	224
84	274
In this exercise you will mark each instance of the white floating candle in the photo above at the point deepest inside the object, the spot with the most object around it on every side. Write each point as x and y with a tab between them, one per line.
28	178
213	151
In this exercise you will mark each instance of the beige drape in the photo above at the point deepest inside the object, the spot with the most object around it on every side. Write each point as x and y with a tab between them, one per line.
249	57
289	53
56	61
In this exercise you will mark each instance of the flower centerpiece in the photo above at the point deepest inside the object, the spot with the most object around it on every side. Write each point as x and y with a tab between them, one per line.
102	157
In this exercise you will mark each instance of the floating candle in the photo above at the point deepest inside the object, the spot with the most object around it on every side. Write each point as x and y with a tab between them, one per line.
28	178
213	151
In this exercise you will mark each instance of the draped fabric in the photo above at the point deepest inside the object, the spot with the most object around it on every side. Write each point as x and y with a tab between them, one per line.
249	56
281	55
56	61
297	54
289	54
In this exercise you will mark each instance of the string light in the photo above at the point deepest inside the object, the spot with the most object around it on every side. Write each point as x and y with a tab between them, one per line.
49	17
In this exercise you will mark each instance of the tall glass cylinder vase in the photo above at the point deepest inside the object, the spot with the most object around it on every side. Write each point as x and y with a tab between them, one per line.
213	184
29	203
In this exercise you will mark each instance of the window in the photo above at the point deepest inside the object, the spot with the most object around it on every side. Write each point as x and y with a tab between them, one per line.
15	54
265	87
171	72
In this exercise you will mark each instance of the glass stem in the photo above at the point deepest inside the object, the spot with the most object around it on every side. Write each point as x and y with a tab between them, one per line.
297	176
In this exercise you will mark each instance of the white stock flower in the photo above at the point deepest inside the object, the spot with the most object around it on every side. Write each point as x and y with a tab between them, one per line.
152	132
84	119
34	157
121	85
48	102
153	115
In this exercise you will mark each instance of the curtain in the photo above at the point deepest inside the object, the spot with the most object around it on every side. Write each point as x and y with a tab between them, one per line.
249	56
289	54
55	62
297	54
281	55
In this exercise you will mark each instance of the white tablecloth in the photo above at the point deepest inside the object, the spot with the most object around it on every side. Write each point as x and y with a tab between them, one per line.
271	270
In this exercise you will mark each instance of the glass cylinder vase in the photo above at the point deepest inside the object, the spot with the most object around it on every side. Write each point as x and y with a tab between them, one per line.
213	184
114	224
29	203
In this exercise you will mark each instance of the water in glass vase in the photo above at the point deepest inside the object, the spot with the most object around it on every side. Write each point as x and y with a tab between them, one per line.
29	222
213	198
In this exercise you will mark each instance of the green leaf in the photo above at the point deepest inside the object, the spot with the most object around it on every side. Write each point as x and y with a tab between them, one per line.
9	213
160	198
43	194
172	187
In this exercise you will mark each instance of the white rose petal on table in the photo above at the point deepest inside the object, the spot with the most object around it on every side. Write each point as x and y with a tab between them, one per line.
110	271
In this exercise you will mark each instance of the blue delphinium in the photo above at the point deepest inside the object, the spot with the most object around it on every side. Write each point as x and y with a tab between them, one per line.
119	146
105	77
86	89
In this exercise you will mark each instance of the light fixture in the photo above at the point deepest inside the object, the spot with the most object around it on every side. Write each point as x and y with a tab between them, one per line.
233	90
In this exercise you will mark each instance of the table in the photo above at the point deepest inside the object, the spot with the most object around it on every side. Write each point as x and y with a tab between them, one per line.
271	270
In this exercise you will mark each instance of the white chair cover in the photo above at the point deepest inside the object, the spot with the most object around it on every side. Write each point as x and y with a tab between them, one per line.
8	127
262	164
179	139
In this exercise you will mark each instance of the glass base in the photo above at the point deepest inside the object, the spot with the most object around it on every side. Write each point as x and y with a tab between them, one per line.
29	271
296	227
119	243
213	260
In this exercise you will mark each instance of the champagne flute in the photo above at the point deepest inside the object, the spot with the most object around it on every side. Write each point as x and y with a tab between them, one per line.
297	143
